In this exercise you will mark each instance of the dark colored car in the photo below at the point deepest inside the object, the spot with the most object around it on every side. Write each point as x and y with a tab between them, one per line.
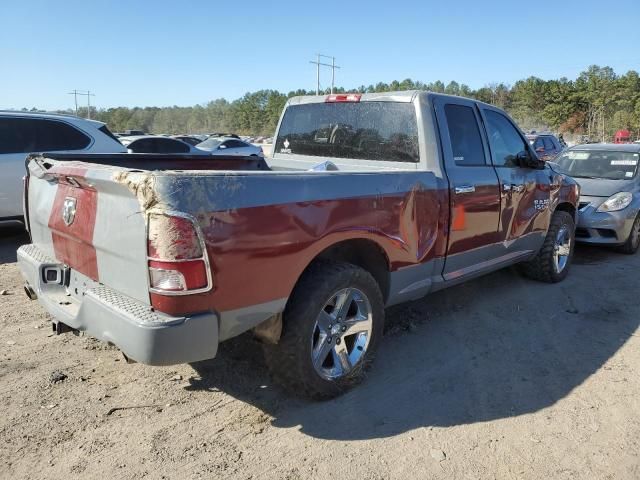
159	144
191	140
546	145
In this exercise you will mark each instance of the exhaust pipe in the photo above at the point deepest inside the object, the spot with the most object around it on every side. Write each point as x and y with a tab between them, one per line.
31	293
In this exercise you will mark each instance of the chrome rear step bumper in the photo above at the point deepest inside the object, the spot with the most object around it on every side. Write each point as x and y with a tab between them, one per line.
142	334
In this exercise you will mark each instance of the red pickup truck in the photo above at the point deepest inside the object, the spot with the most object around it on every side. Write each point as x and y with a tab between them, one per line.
368	201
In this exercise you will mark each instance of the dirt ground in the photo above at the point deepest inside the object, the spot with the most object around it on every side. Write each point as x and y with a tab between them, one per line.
499	378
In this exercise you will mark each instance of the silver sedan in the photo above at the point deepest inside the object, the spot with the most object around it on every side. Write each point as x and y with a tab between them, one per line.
609	208
230	146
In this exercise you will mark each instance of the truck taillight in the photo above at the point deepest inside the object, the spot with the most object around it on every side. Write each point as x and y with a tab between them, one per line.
178	276
343	97
177	256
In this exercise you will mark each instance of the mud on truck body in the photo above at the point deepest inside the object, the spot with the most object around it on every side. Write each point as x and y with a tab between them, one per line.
368	201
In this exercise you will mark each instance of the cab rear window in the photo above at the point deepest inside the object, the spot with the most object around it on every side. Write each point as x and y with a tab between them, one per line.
354	130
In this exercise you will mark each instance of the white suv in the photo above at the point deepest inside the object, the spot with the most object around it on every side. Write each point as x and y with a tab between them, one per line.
22	133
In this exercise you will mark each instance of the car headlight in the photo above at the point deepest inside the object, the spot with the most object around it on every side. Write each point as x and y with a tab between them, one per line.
615	202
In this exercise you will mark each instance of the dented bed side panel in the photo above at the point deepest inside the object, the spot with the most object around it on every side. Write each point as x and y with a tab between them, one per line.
263	230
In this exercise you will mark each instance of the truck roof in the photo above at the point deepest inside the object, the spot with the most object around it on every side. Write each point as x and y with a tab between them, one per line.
397	96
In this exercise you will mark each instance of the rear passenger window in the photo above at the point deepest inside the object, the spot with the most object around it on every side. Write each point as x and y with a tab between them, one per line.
25	135
59	136
466	143
548	144
504	140
141	146
171	146
16	135
539	144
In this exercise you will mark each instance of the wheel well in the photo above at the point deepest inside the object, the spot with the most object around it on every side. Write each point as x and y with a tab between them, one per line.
567	207
367	255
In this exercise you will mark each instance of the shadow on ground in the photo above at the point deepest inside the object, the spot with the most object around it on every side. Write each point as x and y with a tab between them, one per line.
496	347
11	237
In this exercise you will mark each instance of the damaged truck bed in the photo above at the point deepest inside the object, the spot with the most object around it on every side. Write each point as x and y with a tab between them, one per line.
368	201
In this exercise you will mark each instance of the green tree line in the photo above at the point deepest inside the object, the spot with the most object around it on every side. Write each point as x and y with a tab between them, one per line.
597	103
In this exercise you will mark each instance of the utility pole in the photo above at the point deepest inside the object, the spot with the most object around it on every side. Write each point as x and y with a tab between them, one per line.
318	75
333	67
75	98
88	94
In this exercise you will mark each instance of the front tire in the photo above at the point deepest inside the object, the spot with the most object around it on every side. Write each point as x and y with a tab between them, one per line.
552	262
332	325
633	242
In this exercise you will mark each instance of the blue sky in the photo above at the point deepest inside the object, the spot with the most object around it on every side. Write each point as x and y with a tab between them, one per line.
182	53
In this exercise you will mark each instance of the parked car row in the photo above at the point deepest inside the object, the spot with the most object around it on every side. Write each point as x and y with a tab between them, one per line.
188	145
22	133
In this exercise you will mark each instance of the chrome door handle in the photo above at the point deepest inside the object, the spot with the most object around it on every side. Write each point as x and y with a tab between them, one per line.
464	189
507	187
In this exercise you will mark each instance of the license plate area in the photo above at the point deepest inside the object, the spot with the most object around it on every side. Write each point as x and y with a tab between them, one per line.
78	284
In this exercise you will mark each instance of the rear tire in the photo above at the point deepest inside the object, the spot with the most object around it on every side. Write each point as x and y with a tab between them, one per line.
332	326
552	262
633	242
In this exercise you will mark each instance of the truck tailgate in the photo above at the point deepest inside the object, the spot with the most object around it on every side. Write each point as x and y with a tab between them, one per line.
83	218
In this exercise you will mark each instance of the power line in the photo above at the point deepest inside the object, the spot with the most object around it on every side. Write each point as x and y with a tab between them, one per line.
333	67
88	94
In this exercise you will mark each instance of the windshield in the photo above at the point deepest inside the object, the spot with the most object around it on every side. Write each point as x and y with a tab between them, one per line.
362	130
209	144
611	165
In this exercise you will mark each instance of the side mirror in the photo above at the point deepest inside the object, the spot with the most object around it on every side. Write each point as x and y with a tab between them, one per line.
222	147
525	160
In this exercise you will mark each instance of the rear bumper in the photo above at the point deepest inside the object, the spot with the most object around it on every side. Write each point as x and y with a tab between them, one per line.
142	334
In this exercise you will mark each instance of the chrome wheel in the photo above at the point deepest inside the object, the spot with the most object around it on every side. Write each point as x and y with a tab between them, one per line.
341	333
562	249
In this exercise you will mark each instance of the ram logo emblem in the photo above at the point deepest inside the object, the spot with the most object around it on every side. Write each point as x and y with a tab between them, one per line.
69	210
